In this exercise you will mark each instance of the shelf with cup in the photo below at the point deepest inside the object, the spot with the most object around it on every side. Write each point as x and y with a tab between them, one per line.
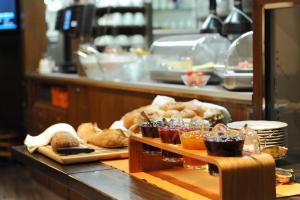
101	48
236	174
118	30
124	20
173	10
104	10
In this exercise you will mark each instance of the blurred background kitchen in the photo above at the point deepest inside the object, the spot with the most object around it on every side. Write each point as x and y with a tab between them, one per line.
81	61
196	46
197	43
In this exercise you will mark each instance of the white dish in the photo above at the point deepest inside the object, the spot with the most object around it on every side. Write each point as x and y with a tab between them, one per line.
258	125
272	143
274	135
273	139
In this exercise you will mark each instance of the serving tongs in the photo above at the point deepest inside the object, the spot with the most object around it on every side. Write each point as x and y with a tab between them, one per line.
74	150
86	50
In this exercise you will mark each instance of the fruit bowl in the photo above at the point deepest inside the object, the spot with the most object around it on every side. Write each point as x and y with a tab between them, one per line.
195	79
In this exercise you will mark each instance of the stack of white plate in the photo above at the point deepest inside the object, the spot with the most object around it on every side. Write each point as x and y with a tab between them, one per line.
269	132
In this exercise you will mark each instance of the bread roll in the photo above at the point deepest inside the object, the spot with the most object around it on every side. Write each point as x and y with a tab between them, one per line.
135	128
109	138
86	130
200	111
171	113
187	113
63	139
130	118
173	106
153	113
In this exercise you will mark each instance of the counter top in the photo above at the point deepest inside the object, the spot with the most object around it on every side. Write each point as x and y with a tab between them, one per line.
93	180
99	181
210	92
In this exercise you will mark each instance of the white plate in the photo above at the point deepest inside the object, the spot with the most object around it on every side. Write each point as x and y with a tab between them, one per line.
273	131
240	69
273	143
283	134
272	137
258	125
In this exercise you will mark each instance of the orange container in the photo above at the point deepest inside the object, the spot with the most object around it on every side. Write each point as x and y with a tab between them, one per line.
59	97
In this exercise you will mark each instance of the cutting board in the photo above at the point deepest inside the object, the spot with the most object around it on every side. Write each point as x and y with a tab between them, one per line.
100	153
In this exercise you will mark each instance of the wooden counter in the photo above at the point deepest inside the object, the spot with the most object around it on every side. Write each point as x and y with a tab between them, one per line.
89	181
106	101
208	93
99	181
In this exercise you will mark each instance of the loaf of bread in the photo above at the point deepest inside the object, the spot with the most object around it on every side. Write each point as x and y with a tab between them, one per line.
62	140
109	138
86	130
135	117
191	110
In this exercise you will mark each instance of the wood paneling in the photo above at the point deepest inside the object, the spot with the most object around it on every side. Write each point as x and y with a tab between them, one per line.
78	111
33	32
107	106
43	115
102	105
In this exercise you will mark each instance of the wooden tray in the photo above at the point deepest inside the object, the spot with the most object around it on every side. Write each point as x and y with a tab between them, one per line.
99	154
247	177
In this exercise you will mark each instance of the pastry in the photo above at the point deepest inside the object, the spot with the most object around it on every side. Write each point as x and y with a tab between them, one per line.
134	117
63	140
191	109
135	128
276	152
173	106
86	130
200	111
153	113
109	138
130	118
187	113
171	113
284	176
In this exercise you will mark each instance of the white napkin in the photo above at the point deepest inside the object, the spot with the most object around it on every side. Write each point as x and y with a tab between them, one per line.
118	125
211	107
161	100
34	142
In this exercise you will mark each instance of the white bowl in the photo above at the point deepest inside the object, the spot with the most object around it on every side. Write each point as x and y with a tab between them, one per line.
122	40
138	19
137	41
128	18
195	80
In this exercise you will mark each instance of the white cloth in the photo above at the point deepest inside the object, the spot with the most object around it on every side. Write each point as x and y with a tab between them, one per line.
34	142
118	125
161	100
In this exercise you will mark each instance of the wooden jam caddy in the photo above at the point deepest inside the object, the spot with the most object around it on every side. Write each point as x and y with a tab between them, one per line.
248	177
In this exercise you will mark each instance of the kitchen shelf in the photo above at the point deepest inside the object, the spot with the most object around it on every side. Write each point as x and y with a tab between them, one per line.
174	10
104	10
118	30
174	31
102	48
247	177
145	30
